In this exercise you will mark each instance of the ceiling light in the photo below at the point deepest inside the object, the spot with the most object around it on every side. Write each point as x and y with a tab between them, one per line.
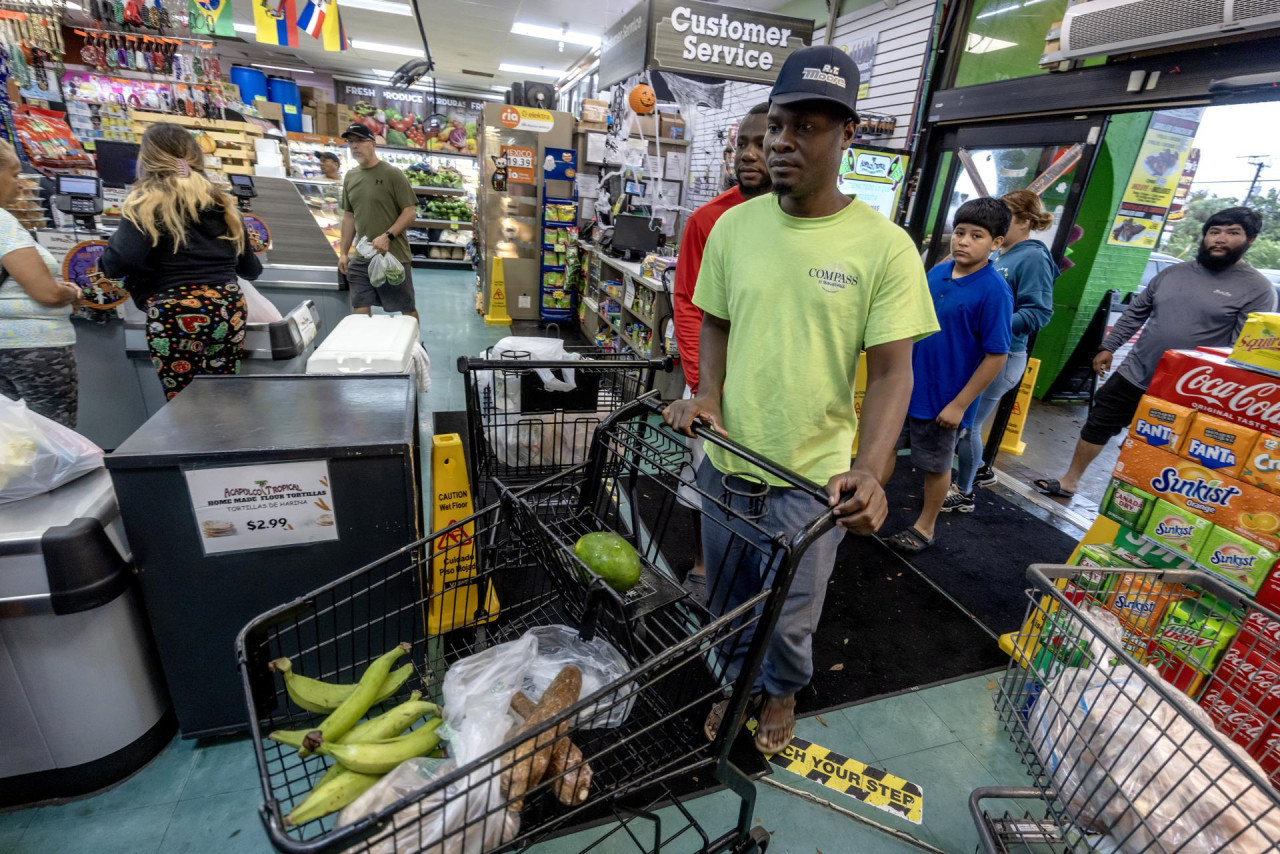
379	6
245	28
512	68
76	6
985	44
1000	11
500	88
283	68
378	47
556	35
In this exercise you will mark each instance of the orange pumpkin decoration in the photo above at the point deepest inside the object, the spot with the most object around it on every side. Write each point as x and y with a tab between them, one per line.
642	99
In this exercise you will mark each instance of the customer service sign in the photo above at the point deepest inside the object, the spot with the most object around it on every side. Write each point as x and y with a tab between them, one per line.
719	41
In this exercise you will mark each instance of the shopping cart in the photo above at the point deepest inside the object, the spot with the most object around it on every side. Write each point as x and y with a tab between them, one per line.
525	425
681	659
1097	699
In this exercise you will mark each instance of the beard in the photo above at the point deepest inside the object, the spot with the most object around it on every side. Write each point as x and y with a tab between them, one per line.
1218	263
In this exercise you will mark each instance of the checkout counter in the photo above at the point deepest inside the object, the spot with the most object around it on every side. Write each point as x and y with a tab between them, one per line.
83	703
119	389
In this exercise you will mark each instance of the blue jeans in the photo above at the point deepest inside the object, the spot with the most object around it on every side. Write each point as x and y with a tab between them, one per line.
969	449
739	566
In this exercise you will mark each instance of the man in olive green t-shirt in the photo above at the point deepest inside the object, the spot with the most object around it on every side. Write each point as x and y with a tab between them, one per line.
793	286
378	203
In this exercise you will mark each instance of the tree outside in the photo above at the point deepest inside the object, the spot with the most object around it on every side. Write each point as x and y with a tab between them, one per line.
1201	204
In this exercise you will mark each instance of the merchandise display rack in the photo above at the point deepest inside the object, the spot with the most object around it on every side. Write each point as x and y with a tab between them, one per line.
643	304
559	236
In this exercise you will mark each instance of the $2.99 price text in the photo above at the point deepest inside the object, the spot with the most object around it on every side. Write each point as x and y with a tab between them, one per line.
268	524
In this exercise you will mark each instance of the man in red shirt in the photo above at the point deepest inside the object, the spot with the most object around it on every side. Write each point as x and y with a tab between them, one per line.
753	180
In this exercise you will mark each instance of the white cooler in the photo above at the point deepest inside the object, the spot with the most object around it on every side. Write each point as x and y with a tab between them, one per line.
367	344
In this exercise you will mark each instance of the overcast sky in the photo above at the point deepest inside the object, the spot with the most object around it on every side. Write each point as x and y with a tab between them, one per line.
1226	136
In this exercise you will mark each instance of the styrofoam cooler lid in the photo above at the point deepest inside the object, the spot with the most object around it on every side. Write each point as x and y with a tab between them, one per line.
367	344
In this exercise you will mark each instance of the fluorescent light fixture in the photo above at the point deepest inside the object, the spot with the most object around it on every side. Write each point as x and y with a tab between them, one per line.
283	68
552	34
512	68
985	44
379	6
245	28
76	6
992	13
500	88
395	49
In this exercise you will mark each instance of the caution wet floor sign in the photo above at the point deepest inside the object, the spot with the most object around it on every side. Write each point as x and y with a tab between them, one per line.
872	786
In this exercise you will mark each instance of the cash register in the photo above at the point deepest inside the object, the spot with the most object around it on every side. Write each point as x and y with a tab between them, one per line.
80	196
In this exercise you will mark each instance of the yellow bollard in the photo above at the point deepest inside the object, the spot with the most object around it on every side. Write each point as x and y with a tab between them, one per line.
1012	442
497	315
453	603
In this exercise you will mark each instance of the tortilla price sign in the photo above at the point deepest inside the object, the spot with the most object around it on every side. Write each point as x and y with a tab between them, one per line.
240	508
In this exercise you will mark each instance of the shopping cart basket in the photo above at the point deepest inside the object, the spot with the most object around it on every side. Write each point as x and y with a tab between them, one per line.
1100	699
525	422
681	658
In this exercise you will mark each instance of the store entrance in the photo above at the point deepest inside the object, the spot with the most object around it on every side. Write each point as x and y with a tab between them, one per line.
1052	158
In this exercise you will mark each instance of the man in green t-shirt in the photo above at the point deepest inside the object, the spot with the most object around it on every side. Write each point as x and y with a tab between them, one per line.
378	202
793	286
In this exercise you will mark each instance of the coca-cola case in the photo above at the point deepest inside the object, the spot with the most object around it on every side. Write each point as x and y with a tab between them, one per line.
1235	718
1206	382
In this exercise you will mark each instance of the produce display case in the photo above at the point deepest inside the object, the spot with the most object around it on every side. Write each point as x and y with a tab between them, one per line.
303	148
446	184
322	197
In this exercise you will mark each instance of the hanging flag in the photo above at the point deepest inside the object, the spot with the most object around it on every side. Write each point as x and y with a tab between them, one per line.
335	36
274	21
311	21
211	18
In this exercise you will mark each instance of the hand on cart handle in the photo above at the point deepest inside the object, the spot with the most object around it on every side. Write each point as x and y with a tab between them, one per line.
681	414
858	501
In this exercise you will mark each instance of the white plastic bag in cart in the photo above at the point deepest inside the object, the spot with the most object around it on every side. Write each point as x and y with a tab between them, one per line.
1127	761
468	817
260	308
37	454
600	663
523	440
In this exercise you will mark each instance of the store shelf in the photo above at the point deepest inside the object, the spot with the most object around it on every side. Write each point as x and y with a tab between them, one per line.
441	223
435	243
459	263
440	191
409	149
643	318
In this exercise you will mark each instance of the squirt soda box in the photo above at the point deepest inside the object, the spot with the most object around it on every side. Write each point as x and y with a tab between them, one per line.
1217	444
1261	465
1242	562
1218	498
1258	346
1177	528
1160	424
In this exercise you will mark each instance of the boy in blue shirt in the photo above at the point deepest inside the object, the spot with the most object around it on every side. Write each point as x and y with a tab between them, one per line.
974	305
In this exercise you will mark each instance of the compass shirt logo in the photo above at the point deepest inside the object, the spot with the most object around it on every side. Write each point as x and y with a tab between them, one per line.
833	281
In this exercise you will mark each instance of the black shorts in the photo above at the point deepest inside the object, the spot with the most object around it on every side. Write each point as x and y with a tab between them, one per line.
932	446
1113	407
388	297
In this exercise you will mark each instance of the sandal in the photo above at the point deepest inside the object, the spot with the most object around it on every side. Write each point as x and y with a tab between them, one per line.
1051	487
716	716
909	542
773	736
696	587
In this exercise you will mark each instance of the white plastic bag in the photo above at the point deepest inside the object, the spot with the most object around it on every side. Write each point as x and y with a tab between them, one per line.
384	268
477	705
421	363
532	439
37	454
260	308
600	663
1128	762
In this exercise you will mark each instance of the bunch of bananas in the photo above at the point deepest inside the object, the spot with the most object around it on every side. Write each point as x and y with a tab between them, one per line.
363	751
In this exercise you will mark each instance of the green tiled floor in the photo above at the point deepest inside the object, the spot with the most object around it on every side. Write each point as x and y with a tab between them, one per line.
203	796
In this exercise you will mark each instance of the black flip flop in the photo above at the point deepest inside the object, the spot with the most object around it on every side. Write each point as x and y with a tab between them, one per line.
1051	487
909	541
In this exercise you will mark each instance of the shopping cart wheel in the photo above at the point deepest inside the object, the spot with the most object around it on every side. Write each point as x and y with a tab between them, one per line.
759	839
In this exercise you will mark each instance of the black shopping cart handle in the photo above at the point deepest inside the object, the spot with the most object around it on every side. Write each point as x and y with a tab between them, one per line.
468	363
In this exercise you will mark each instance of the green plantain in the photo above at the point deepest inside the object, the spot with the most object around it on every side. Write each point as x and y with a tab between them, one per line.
379	757
332	793
323	697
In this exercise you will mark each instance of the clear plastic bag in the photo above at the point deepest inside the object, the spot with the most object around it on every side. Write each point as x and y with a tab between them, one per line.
260	308
1128	762
384	268
477	707
37	454
530	440
600	663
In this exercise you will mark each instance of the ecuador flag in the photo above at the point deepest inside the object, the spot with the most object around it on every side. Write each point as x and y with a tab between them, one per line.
274	21
333	33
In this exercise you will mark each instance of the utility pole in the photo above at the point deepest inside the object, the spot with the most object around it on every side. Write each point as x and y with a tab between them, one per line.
1258	162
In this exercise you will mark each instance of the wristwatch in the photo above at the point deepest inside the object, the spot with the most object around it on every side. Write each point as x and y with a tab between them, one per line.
390	236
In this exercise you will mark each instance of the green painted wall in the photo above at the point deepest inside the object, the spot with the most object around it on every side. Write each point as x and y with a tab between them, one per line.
1099	267
1023	26
817	9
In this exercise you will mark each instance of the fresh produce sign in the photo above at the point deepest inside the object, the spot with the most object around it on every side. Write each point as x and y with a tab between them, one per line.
409	117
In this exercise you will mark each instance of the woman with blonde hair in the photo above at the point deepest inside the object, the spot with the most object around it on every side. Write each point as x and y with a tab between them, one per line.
1028	266
180	246
37	343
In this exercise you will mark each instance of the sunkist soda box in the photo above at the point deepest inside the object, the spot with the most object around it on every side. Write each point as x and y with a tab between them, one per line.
1178	529
1259	343
1161	424
1242	562
1140	600
1217	444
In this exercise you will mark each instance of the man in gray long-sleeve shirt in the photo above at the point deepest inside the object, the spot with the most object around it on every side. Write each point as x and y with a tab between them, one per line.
1201	303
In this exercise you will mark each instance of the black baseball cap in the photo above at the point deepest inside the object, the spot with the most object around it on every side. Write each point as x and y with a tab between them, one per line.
818	73
327	155
358	131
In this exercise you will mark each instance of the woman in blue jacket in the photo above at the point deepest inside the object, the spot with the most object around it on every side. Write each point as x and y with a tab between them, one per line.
1029	268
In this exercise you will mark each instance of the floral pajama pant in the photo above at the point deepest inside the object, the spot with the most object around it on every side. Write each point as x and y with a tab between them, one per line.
194	330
